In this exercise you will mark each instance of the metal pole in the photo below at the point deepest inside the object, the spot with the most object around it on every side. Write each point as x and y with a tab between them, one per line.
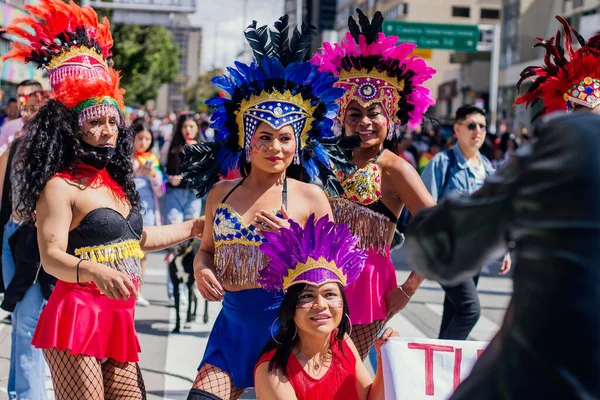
299	13
494	77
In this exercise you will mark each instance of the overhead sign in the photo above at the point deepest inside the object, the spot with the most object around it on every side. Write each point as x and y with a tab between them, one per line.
423	53
426	368
435	36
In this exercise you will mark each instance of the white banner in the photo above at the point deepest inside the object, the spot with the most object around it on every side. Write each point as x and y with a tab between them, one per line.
416	369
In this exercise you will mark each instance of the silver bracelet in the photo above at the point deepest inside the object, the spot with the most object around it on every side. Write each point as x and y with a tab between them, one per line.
406	294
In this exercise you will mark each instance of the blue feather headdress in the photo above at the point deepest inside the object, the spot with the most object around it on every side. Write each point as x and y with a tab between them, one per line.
279	88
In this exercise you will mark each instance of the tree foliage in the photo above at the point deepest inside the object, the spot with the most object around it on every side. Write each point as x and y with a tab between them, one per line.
147	58
202	90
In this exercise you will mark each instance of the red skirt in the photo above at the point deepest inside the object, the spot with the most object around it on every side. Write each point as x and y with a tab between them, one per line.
84	321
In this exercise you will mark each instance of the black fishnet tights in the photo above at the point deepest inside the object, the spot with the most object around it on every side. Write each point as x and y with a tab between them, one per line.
214	380
122	381
77	377
364	335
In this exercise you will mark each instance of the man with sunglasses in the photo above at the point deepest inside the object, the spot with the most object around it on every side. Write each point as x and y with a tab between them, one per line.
461	169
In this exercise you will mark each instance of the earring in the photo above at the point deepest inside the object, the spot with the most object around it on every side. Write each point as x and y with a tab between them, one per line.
296	157
248	154
350	322
273	336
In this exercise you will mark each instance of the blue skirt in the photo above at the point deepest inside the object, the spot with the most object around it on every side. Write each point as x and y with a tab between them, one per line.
241	331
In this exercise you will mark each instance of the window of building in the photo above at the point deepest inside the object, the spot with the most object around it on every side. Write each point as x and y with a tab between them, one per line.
490	13
396	12
462	12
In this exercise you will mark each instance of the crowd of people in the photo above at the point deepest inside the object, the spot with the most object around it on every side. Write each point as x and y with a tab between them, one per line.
296	192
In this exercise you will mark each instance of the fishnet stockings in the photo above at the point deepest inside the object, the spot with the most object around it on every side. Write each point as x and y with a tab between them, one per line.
214	380
123	381
77	377
364	335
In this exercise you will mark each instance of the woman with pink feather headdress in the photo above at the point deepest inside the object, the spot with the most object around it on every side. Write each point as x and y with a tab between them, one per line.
384	93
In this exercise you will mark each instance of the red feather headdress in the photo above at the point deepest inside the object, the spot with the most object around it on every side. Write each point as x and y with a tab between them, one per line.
75	49
568	77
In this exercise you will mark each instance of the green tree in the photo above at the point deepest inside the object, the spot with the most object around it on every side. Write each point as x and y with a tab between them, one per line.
202	90
147	57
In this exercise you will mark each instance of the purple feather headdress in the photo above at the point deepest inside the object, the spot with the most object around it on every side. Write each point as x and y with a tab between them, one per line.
320	252
374	68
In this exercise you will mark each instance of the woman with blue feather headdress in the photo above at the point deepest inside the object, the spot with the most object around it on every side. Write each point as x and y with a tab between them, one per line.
275	128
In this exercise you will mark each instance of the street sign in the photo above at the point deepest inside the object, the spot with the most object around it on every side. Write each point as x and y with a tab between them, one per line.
435	36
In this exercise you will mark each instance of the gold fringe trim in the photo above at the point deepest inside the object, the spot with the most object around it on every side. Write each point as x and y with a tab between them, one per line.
370	226
122	256
238	264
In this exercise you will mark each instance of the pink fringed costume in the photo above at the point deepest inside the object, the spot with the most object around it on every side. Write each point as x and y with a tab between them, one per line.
374	68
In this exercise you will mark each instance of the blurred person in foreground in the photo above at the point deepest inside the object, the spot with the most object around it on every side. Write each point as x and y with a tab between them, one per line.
543	204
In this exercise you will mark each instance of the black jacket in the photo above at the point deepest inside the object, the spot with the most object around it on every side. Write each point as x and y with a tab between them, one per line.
24	247
544	205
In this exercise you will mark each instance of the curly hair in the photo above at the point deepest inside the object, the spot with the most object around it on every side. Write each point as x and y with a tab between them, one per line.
53	144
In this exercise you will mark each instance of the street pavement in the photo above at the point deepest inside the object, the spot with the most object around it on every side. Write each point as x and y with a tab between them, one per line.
169	361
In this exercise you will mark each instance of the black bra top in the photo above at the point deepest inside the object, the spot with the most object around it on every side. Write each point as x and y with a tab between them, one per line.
382	209
105	226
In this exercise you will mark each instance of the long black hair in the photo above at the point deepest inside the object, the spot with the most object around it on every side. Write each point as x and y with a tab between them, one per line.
287	334
53	144
141	126
177	143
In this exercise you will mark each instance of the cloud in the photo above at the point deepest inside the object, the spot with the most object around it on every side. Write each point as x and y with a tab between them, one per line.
223	23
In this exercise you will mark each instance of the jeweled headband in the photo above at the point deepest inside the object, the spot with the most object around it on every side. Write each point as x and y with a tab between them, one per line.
74	48
279	88
568	78
319	253
375	68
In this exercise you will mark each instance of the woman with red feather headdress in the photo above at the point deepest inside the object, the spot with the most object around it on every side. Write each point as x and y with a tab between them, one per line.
569	79
74	180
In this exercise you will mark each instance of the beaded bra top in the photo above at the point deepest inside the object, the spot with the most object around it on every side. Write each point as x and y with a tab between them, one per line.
361	208
107	237
237	257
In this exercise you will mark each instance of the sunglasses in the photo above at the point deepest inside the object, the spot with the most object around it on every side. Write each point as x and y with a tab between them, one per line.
472	126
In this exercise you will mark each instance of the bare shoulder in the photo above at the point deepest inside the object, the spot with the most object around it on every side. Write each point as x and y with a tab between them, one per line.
61	187
393	164
221	188
308	190
272	384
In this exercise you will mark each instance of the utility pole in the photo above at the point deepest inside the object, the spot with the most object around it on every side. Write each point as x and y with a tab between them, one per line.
299	13
494	77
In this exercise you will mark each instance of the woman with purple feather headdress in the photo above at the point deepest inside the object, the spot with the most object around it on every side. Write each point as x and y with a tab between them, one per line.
384	92
275	126
311	355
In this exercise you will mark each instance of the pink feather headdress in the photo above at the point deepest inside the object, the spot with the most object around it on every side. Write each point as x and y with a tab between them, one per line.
374	68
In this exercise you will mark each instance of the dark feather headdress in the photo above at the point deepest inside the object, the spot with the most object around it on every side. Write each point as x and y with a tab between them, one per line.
279	88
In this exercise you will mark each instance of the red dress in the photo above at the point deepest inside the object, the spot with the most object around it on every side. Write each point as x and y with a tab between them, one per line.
338	383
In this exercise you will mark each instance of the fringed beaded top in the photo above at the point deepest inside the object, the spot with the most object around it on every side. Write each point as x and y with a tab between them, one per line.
237	257
360	206
107	237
